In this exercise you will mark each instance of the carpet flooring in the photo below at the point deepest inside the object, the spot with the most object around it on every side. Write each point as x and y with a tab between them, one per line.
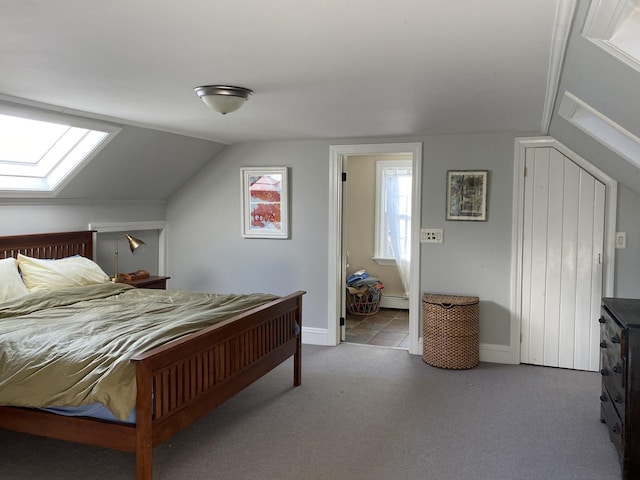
369	413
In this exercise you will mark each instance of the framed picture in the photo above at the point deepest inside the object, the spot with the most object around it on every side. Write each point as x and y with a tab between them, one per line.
467	195
264	202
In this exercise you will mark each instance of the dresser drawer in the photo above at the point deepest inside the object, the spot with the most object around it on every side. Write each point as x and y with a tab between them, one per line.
612	362
609	415
611	336
612	369
616	393
620	392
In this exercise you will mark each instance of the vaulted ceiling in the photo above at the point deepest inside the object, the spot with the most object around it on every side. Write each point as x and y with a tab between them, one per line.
319	69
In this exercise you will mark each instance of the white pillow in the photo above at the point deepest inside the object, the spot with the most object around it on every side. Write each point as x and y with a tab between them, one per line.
39	274
11	285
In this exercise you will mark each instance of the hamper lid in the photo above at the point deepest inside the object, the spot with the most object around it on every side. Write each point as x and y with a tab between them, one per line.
449	300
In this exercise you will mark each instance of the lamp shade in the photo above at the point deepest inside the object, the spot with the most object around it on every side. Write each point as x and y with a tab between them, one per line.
134	243
222	98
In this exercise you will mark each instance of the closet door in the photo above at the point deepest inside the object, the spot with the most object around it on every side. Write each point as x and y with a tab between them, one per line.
562	262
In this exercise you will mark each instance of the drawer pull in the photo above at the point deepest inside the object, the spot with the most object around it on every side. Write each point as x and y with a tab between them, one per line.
617	368
603	344
603	398
604	372
602	320
618	398
615	339
616	428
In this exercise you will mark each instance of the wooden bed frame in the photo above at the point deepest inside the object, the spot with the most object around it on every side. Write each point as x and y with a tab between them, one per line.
177	382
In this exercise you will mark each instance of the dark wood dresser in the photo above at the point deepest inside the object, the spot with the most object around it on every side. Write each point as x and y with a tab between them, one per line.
620	397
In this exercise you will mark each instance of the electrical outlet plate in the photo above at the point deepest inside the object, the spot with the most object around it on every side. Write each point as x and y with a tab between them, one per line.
431	235
621	239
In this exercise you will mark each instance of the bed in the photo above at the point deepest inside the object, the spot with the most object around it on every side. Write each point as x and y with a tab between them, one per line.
177	382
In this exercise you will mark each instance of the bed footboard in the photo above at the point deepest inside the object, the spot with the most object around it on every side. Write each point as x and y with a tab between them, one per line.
183	380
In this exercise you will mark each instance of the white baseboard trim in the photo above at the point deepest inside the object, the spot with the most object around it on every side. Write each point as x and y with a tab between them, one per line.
389	301
491	353
494	353
315	336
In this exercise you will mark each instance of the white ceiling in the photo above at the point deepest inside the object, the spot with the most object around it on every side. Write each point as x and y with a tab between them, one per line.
319	68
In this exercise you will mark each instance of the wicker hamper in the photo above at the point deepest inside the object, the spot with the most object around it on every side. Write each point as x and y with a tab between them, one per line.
450	331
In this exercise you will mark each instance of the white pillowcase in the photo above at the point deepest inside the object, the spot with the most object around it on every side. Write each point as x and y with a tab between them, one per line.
11	285
39	274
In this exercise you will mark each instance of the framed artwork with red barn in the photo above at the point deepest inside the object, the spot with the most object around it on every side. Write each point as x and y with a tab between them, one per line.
264	202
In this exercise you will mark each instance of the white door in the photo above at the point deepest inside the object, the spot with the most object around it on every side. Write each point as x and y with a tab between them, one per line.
563	238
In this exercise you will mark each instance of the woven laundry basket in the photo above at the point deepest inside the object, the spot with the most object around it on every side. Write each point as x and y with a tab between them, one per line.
364	301
450	331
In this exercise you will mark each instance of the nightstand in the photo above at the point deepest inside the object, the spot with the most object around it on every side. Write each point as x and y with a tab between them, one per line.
152	281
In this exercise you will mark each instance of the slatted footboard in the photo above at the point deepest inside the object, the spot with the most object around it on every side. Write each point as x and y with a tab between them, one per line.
183	380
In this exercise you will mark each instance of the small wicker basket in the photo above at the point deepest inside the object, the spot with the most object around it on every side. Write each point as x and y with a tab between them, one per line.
450	331
364	301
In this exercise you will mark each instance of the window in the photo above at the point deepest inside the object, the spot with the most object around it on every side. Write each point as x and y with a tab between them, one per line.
600	127
393	210
40	151
614	25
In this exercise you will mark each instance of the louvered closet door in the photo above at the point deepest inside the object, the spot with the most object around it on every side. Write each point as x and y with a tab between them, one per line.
562	262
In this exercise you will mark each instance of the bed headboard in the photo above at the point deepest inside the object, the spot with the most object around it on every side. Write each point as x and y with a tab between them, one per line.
48	245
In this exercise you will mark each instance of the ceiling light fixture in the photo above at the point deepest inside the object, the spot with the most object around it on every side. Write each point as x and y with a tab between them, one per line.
223	98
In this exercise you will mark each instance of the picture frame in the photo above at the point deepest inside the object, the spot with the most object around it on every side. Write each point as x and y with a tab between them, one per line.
265	202
467	195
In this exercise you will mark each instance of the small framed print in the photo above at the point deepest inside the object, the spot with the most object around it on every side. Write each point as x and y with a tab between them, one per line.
467	195
264	202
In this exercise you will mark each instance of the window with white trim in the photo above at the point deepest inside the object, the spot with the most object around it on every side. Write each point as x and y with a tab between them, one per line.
394	174
614	25
40	151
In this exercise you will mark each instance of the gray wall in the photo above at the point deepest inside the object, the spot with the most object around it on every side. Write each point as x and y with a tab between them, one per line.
207	252
23	217
145	257
611	87
475	258
627	263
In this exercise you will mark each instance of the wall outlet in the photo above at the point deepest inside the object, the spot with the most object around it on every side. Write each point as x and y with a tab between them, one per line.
431	235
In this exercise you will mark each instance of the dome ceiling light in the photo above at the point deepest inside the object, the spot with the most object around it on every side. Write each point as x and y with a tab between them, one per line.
223	98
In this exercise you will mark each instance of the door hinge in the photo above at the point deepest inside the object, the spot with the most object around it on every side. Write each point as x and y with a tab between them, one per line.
344	176
525	171
342	321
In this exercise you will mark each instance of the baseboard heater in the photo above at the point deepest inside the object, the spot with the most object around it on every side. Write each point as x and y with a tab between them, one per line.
390	301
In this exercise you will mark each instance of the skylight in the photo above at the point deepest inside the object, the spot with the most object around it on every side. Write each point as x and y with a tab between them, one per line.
40	151
600	127
627	36
614	25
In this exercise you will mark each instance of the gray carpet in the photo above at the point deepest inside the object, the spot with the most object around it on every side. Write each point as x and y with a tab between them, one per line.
367	413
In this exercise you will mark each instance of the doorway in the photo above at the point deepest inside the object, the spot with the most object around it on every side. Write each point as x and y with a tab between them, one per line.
338	226
376	225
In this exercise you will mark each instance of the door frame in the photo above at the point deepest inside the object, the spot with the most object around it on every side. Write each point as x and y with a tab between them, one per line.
611	195
336	292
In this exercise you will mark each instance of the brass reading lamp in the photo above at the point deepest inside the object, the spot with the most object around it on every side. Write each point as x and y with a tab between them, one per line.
134	244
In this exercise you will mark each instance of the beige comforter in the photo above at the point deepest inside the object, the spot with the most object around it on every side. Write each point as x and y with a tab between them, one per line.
72	347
